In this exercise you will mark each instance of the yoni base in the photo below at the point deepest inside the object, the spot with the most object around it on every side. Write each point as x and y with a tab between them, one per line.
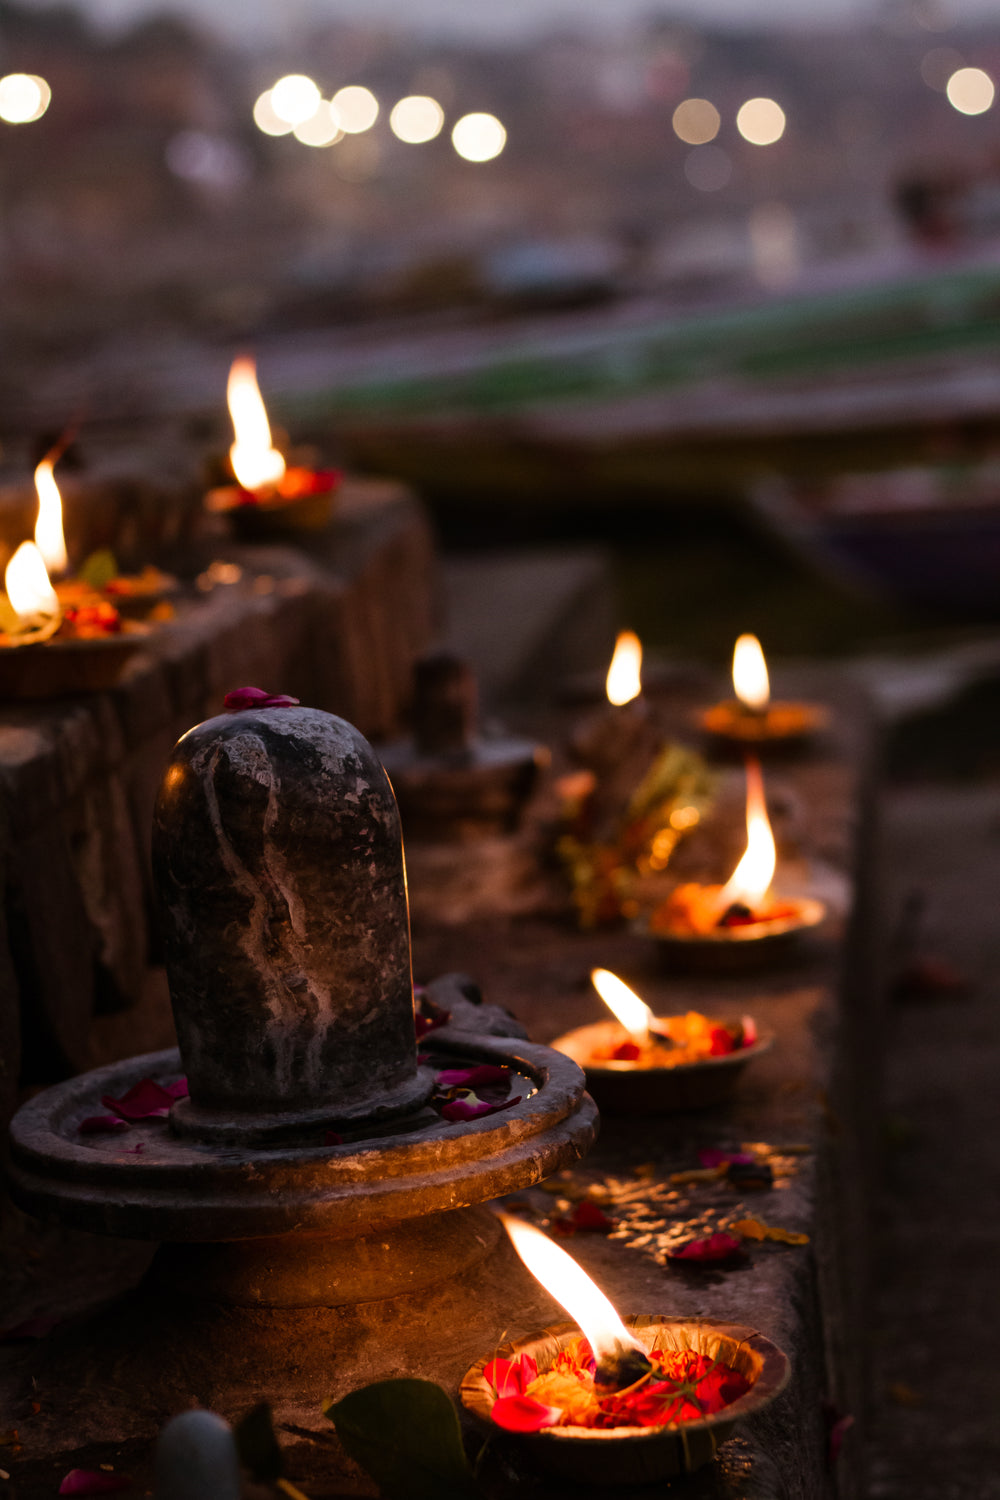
317	1270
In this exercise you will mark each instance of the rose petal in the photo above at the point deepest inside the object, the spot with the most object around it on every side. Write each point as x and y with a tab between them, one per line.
333	1139
252	697
750	1033
713	1156
145	1100
473	1078
587	1217
627	1052
89	1482
716	1248
178	1089
102	1125
524	1414
473	1108
721	1043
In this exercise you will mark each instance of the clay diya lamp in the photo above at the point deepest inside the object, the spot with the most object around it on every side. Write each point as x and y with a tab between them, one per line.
640	1063
606	1400
268	497
742	921
751	718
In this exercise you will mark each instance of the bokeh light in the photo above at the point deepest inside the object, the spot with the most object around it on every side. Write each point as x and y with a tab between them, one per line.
416	119
294	98
478	137
322	128
24	97
970	91
761	121
265	118
356	107
696	121
708	168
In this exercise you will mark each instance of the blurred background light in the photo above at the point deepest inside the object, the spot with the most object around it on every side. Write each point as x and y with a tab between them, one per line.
322	128
761	122
970	91
211	161
708	168
416	119
356	107
696	121
24	97
937	66
294	98
478	137
265	118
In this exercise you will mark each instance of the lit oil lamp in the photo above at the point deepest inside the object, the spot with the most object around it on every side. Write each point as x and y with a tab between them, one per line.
269	494
743	914
631	1401
62	637
751	717
624	679
617	742
640	1063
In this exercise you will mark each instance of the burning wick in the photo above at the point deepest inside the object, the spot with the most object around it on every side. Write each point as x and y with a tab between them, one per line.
256	464
633	1013
49	537
750	881
750	679
621	1359
624	681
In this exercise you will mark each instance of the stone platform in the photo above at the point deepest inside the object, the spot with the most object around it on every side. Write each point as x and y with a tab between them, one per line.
811	1100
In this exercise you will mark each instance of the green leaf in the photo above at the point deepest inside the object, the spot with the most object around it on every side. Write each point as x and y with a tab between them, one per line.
258	1447
99	568
405	1433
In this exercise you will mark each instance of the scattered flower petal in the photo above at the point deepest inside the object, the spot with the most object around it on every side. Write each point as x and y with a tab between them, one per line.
837	1426
711	1251
712	1156
145	1100
102	1125
251	697
471	1108
89	1482
473	1078
750	1033
524	1414
627	1052
331	1138
511	1377
721	1042
32	1328
586	1217
756	1229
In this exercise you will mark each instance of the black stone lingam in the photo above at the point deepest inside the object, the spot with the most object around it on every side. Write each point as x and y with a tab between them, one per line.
306	1180
451	782
279	872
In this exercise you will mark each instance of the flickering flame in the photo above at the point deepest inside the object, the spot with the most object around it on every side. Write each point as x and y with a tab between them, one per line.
752	877
27	584
49	537
255	463
634	1014
750	674
624	682
572	1288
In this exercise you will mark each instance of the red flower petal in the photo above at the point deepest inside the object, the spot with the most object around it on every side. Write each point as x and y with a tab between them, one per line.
721	1041
717	1247
333	1139
472	1078
31	1328
178	1089
102	1125
627	1052
472	1108
145	1100
750	1033
587	1217
524	1414
89	1482
712	1156
251	697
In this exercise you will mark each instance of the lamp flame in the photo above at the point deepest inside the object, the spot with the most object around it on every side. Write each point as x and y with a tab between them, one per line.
49	537
28	587
255	462
633	1013
573	1289
752	877
750	674
624	681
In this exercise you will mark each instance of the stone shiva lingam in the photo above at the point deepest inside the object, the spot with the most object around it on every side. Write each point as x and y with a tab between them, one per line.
310	1172
451	782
